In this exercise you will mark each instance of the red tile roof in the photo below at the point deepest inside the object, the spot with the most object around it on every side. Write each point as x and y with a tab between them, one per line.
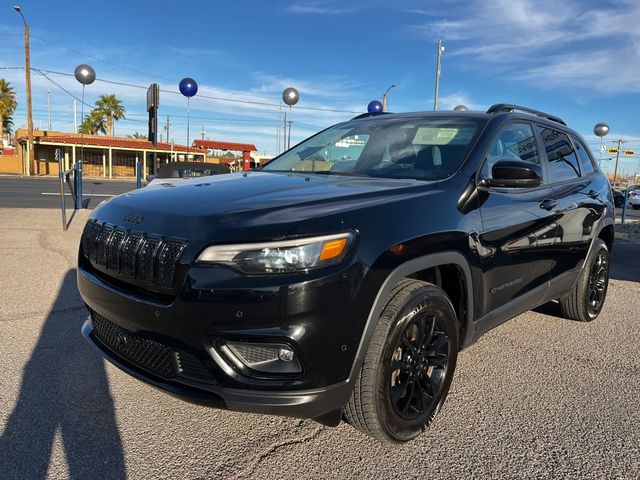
210	144
115	142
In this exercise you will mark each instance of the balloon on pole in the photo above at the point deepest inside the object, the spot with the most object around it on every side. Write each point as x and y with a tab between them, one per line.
85	74
460	107
290	96
188	87
374	106
601	129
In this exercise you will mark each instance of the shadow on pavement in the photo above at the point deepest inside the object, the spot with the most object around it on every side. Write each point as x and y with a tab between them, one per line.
625	260
64	393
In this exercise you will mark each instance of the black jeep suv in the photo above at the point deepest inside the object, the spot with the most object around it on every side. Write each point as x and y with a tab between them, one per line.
341	279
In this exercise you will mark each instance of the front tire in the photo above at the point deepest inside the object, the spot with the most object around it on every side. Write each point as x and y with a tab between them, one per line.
585	301
409	366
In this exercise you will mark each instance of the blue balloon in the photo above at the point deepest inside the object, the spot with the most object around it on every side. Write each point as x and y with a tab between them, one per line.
374	106
188	87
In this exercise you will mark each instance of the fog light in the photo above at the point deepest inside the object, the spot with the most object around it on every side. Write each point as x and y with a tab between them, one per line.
274	358
285	354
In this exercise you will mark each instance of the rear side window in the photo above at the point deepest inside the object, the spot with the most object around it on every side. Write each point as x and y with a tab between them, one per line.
515	142
563	163
586	165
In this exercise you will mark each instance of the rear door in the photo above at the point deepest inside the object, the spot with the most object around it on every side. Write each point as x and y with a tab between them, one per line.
516	244
579	201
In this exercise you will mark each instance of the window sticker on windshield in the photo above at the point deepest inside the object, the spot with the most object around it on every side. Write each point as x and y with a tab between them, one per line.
458	135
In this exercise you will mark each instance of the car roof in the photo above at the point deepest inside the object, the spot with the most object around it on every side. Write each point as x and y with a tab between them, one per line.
458	114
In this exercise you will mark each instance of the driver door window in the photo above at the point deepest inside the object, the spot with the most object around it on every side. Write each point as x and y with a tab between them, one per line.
515	142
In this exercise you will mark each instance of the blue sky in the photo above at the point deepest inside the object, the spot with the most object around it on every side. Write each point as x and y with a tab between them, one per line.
577	59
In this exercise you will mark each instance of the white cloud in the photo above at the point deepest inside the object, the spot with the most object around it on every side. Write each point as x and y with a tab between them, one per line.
549	43
318	8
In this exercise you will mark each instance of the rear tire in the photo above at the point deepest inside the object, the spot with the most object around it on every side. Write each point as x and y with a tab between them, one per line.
587	297
409	365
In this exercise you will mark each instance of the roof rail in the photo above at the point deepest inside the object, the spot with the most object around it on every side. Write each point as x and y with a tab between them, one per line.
510	107
369	114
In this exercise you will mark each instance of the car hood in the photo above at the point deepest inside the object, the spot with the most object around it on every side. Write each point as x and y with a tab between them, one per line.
248	206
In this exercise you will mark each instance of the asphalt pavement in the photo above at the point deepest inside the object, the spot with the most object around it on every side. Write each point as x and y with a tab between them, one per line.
44	192
538	397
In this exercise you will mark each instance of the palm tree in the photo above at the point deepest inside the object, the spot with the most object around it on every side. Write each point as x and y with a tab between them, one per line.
7	125
137	135
93	123
112	109
8	104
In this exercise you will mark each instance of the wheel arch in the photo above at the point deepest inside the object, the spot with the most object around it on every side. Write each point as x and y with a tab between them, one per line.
419	268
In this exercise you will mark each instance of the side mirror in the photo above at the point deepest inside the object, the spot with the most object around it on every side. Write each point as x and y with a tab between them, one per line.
150	178
514	174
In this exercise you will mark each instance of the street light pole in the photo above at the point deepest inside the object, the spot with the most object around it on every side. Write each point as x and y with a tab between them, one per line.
27	69
384	98
439	52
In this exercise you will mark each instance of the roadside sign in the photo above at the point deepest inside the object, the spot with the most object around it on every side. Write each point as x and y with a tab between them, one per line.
628	152
612	150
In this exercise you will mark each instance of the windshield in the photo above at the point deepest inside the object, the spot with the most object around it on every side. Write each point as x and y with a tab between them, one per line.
424	149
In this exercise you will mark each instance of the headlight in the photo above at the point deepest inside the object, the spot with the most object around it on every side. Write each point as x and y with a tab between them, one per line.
281	257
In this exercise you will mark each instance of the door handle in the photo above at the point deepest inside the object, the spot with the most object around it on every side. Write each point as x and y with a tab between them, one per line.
548	204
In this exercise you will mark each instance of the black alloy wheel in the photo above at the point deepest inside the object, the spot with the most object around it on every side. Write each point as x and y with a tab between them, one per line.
418	367
598	281
409	365
586	299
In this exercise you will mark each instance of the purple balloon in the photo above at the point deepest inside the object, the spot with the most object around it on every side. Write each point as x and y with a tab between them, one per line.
374	106
188	87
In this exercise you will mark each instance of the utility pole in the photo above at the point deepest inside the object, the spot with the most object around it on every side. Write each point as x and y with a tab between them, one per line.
615	171
289	135
75	116
202	132
439	52
167	127
49	103
27	69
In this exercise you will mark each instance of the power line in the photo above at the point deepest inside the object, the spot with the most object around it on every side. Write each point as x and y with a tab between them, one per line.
61	87
209	97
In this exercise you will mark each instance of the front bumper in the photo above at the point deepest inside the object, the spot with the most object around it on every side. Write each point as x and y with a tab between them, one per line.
322	318
300	403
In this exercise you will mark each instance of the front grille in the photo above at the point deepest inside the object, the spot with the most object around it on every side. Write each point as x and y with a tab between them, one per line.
148	354
136	255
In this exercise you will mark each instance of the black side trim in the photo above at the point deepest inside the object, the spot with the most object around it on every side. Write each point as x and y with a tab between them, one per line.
515	307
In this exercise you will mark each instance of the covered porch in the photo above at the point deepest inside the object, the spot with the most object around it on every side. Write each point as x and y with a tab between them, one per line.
107	157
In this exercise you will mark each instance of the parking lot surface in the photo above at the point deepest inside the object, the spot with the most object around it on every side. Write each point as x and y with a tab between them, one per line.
538	397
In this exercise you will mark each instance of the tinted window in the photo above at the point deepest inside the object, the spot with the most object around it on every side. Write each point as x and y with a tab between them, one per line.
515	142
563	164
586	165
396	147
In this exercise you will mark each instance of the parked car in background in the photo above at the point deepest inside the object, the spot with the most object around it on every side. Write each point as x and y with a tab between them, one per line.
618	198
633	196
171	172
